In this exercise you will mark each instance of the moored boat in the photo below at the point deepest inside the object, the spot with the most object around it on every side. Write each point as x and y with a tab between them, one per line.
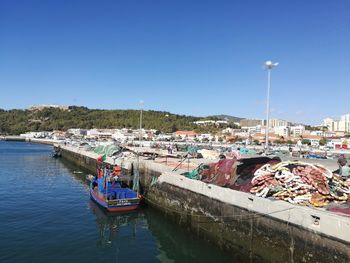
108	191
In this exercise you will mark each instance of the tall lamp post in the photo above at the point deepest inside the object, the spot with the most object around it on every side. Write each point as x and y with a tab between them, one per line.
268	65
140	133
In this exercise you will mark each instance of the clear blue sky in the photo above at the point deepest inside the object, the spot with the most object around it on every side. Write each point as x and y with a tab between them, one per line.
190	57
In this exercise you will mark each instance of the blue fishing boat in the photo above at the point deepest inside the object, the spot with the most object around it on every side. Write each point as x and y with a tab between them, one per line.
108	191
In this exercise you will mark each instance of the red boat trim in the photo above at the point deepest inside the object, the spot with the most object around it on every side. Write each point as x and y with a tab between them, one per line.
97	197
122	209
112	209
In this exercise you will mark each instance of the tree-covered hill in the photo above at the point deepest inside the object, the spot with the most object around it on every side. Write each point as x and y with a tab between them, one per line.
48	119
226	118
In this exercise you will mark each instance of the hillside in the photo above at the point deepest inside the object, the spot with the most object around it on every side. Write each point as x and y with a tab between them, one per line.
226	118
48	119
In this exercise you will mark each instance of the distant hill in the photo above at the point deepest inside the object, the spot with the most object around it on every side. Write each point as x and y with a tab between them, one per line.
53	118
226	118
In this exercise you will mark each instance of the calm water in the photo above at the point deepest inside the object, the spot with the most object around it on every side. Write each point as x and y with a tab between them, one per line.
46	216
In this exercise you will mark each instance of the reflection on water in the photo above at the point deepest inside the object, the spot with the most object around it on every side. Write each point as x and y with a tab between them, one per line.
110	224
46	215
172	243
179	244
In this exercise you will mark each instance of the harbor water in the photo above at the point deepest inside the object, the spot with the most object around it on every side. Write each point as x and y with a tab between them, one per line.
46	215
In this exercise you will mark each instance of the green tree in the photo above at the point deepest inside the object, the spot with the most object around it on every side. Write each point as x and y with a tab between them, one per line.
18	121
306	141
323	141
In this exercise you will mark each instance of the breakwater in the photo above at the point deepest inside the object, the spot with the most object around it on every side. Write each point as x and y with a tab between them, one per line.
25	139
260	230
13	138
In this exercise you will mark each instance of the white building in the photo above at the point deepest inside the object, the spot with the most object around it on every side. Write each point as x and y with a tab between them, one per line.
77	132
119	136
205	136
297	131
317	133
343	124
277	126
338	142
279	123
164	137
100	134
37	135
210	122
282	131
314	139
326	134
44	106
255	130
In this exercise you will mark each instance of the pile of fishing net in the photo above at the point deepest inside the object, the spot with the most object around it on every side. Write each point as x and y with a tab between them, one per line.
246	169
232	173
299	182
222	173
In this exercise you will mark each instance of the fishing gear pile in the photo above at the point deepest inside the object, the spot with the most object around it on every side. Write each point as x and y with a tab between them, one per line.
300	183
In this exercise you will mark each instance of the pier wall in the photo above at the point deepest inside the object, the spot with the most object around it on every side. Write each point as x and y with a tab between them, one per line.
79	159
277	233
87	159
255	229
24	139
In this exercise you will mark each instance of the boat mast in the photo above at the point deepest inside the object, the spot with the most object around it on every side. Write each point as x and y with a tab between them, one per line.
106	181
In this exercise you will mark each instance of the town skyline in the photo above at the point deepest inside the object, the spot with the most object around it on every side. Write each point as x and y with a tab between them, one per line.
325	121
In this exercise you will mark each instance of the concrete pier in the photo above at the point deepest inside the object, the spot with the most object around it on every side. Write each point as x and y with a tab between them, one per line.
12	138
24	139
258	229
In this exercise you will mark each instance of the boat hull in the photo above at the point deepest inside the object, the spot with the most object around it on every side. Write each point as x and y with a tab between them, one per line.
122	205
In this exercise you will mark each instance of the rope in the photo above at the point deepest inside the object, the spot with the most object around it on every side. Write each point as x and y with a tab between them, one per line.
154	180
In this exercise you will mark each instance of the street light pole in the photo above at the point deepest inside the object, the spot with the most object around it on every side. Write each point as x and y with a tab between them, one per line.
140	133
268	65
